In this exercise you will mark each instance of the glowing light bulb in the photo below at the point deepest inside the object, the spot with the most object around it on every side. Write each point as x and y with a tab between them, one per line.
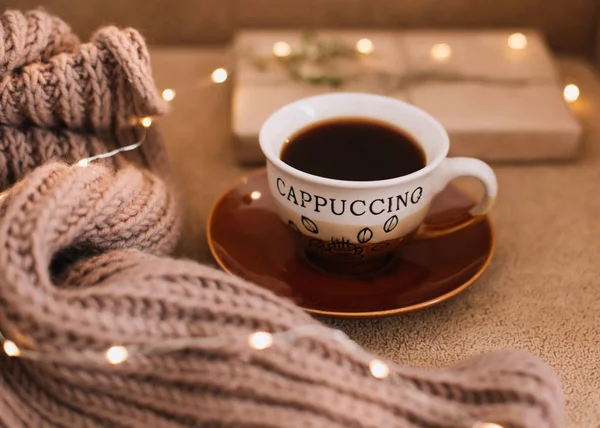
441	52
146	121
116	354
255	195
340	336
168	94
571	93
379	369
260	340
517	41
11	349
219	75
365	46
281	49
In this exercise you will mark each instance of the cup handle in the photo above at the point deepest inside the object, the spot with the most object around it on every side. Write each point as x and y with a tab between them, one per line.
450	169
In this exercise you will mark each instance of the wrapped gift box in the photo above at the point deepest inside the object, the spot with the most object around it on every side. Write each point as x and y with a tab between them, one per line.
500	99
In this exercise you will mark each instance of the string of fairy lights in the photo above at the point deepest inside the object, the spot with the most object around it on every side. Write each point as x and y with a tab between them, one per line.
257	341
119	354
439	52
262	340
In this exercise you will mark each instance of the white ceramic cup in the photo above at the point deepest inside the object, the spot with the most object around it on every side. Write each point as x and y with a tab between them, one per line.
349	222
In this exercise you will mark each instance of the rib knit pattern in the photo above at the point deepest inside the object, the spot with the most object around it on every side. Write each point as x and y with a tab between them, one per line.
31	37
62	100
102	83
22	150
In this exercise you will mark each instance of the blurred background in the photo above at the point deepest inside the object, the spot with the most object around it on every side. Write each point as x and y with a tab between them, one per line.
570	26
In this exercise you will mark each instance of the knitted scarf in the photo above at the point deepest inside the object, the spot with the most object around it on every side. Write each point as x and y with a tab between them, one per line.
83	267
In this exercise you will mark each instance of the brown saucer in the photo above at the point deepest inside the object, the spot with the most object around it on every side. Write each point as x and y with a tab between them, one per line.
248	239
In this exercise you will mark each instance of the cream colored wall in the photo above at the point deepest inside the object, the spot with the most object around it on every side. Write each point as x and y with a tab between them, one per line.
570	25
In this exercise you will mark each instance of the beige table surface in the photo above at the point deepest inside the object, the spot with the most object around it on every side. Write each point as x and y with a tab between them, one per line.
541	292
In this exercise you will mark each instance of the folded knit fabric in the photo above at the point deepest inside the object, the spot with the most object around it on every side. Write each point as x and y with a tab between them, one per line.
102	83
31	37
24	149
83	305
61	100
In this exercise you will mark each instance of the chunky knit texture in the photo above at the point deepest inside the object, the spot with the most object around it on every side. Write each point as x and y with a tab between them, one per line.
82	268
61	100
123	295
65	101
31	37
101	83
22	150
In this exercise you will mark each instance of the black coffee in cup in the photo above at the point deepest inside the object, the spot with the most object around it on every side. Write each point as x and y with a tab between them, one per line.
353	149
